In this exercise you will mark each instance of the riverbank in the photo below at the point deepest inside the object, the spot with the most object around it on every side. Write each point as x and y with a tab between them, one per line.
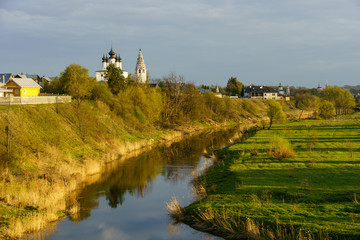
51	150
298	180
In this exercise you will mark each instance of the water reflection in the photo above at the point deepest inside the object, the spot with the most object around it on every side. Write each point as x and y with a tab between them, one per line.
150	179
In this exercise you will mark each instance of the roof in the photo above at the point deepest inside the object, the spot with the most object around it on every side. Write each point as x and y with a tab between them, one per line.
25	82
46	78
20	76
6	76
254	88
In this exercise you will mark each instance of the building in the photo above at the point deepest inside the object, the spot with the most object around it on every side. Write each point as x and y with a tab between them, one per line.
4	77
319	88
106	61
23	87
3	91
281	90
140	69
261	92
44	80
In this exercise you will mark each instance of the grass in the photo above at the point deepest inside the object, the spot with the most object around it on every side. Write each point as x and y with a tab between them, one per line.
311	194
47	151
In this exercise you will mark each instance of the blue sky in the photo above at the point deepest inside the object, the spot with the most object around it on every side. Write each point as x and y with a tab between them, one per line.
297	42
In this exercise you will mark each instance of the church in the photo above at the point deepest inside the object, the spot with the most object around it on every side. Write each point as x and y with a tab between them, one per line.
114	58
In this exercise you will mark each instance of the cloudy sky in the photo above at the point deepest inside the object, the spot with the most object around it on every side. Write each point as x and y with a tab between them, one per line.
296	42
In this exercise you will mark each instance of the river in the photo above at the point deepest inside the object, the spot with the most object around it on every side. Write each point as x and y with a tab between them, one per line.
129	200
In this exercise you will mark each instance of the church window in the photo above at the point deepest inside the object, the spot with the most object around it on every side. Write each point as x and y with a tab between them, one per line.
139	70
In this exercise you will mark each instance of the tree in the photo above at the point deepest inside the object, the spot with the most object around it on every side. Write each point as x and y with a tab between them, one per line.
234	87
173	86
75	80
115	79
341	99
326	109
275	111
306	101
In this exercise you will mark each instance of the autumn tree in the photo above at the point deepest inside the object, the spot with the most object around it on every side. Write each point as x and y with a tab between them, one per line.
115	79
306	101
75	80
275	111
341	99
234	87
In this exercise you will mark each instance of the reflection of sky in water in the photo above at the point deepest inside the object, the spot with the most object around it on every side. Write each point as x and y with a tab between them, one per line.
128	202
137	218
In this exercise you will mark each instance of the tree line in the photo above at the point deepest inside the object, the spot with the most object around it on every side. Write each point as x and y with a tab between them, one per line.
332	101
173	101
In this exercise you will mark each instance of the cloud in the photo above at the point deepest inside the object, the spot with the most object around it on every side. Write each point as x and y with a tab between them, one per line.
110	233
188	35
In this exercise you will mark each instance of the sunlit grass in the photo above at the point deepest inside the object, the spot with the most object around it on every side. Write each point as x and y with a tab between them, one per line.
313	192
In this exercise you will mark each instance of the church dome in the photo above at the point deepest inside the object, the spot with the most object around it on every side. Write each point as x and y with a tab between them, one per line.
111	53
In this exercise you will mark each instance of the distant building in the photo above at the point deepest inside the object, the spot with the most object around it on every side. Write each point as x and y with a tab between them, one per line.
106	61
140	69
20	75
281	89
218	93
4	77
44	80
261	92
319	88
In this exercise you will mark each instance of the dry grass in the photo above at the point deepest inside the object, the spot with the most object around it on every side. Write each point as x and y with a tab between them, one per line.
199	192
232	225
175	210
32	223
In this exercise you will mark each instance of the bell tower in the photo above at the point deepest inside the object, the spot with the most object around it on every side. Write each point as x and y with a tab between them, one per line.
140	69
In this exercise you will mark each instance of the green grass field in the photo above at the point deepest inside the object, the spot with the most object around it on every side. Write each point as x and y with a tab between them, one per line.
312	195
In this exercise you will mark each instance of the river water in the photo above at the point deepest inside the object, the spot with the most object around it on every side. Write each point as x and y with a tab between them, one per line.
129	200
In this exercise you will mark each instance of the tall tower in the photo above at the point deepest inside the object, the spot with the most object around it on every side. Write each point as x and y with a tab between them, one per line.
140	69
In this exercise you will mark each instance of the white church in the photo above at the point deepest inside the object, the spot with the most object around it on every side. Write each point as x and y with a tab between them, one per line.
114	58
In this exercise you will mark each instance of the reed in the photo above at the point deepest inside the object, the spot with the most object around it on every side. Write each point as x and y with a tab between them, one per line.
175	210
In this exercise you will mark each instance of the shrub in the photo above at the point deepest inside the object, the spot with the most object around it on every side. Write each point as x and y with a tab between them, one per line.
281	148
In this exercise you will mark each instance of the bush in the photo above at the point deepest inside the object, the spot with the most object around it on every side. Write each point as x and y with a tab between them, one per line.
326	109
280	148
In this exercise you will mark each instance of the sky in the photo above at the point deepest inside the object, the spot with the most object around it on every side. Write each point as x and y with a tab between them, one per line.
295	42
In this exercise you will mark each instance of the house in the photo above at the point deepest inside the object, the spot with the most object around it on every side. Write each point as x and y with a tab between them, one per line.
24	87
4	77
3	91
44	80
261	92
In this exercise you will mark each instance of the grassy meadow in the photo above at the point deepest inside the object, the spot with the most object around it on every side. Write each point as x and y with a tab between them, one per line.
299	180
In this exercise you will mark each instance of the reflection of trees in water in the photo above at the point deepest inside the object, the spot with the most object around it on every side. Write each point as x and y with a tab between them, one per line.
136	175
